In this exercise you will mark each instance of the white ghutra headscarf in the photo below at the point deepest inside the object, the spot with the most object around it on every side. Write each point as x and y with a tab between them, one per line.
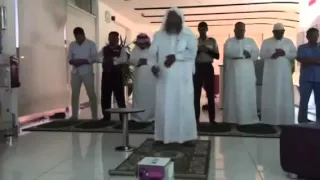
185	30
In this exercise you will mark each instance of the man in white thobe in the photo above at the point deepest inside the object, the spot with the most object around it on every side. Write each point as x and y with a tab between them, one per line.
277	102
175	48
240	106
144	89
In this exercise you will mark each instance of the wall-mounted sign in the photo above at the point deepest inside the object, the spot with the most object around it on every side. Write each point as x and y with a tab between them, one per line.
3	17
107	16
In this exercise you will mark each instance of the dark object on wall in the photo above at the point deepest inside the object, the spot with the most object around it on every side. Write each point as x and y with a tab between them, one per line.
14	69
113	18
299	150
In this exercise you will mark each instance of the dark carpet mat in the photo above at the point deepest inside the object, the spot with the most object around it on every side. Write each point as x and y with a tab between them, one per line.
217	128
257	129
190	162
58	124
133	125
204	129
94	124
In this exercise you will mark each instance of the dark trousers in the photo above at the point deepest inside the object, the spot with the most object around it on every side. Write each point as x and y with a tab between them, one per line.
112	82
204	77
306	88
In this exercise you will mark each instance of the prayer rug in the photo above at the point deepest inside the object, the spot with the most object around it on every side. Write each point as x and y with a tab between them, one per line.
257	129
204	129
190	162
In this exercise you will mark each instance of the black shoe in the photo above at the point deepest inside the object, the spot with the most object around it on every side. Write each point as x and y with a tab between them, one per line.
213	122
304	121
105	119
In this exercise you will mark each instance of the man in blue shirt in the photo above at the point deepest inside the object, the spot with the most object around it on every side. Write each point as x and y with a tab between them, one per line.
309	57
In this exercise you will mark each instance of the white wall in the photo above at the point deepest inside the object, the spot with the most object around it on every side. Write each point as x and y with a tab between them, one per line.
43	72
106	27
121	22
80	18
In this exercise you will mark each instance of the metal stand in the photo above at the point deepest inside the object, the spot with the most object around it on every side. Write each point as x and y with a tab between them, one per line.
125	112
125	135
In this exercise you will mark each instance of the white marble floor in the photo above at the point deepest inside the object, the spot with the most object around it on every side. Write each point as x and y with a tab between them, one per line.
86	156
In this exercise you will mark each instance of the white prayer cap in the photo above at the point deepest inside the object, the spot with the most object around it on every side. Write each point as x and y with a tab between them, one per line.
278	27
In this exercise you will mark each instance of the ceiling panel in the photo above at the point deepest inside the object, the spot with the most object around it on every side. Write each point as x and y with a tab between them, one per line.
219	14
227	10
275	16
219	23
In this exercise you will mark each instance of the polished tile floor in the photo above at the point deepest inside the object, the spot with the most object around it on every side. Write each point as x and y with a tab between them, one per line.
86	156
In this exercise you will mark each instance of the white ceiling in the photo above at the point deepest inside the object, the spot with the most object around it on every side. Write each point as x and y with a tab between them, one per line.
258	15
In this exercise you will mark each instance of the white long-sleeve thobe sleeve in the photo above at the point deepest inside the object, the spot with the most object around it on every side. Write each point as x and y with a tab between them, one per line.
134	57
264	51
190	53
292	51
229	51
153	51
254	50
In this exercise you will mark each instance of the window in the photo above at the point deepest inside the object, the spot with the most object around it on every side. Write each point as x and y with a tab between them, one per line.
85	5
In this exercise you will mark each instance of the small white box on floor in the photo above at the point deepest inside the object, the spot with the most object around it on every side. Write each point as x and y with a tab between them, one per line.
155	168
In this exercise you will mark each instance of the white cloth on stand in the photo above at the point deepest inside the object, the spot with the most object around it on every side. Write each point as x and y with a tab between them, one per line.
144	86
174	116
277	101
240	106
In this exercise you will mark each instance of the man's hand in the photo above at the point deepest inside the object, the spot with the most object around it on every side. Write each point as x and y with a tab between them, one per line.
278	53
281	52
275	55
202	48
78	62
142	62
155	71
246	54
75	62
170	60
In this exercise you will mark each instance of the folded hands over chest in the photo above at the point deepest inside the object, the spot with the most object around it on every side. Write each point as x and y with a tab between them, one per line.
78	62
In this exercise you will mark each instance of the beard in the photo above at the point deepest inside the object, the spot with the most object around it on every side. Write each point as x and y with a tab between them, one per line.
173	29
